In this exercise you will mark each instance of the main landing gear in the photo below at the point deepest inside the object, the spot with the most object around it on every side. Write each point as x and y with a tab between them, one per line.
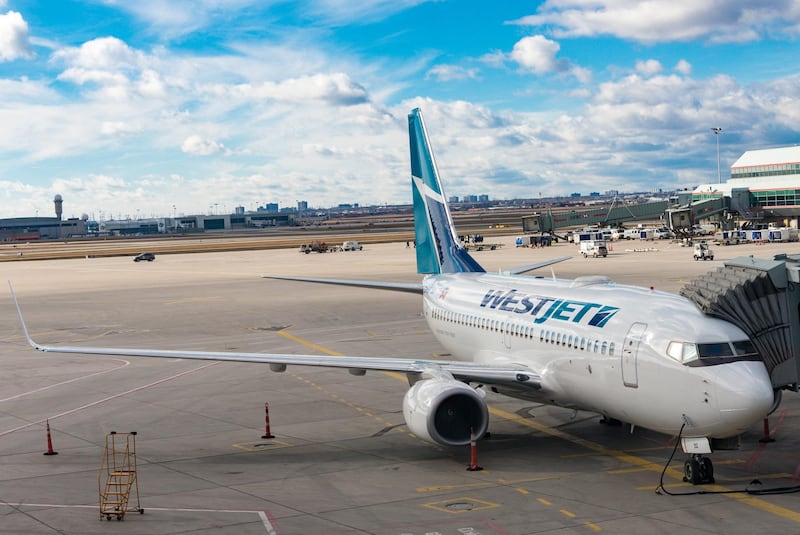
698	470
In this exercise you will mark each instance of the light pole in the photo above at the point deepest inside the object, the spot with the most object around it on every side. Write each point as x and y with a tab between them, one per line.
717	131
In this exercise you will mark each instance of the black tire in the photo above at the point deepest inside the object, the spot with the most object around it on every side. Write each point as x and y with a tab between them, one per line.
706	470
691	471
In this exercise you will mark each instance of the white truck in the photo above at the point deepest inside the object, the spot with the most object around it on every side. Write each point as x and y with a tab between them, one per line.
594	248
352	246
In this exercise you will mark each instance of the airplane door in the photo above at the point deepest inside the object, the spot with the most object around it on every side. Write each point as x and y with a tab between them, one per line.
630	350
506	334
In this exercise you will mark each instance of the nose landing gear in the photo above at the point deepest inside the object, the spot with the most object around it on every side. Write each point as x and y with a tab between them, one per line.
698	470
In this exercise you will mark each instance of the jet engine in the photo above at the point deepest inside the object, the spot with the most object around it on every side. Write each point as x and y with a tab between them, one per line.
444	411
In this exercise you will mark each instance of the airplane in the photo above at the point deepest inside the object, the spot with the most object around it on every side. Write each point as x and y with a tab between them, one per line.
631	354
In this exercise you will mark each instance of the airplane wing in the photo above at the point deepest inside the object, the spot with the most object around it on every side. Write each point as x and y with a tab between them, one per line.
530	267
410	287
462	371
403	286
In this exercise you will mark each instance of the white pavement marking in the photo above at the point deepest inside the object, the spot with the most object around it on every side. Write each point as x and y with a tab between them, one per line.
126	363
109	398
270	529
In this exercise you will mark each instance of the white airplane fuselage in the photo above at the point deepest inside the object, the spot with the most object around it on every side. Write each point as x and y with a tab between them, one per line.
602	347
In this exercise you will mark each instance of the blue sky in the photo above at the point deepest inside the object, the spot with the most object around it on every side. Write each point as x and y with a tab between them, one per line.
157	107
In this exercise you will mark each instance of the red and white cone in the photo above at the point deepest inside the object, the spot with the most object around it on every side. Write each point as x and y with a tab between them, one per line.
473	453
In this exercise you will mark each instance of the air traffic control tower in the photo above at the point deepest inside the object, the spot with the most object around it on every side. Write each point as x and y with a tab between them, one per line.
761	297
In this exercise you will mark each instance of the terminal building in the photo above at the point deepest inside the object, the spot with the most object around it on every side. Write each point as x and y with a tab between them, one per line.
764	186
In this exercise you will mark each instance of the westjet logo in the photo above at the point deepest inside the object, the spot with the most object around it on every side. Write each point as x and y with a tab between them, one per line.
545	308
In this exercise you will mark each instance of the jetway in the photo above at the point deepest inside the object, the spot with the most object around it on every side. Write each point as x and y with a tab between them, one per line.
551	221
761	297
680	220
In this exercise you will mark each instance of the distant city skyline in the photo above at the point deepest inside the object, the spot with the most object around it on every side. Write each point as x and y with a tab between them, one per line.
122	106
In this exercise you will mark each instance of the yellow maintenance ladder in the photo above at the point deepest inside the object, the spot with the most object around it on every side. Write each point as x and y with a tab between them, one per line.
117	477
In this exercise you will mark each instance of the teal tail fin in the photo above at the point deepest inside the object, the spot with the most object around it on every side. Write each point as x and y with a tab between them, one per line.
438	247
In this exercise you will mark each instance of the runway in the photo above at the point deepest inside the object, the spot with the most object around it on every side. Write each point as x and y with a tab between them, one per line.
342	461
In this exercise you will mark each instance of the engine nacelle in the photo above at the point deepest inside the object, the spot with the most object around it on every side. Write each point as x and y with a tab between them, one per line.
444	411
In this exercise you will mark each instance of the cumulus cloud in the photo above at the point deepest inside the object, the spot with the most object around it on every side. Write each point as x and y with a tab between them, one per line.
202	147
536	53
649	67
683	67
14	37
104	53
667	20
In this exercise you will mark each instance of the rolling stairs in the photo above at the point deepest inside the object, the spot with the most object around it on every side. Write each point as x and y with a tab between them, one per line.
117	478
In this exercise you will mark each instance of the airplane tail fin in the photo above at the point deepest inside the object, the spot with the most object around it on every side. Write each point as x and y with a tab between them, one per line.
438	247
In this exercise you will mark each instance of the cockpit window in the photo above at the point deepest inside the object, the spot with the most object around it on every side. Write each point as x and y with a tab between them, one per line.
709	354
744	347
722	349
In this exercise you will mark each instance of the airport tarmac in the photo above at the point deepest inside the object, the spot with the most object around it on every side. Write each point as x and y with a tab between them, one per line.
341	460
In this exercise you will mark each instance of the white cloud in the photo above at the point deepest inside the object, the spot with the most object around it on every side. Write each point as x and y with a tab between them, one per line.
649	67
683	67
447	73
118	128
536	53
14	37
334	88
104	53
202	147
667	20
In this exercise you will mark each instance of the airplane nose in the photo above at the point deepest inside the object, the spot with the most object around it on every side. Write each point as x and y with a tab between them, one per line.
744	395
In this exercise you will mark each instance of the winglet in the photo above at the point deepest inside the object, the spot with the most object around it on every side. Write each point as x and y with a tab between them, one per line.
22	320
438	247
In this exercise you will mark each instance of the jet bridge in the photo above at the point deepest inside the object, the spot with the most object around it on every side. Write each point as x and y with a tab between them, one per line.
761	297
550	221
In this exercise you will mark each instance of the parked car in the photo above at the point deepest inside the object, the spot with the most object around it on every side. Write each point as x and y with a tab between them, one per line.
144	256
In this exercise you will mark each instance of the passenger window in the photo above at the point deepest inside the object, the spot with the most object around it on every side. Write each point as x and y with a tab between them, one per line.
603	348
611	348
